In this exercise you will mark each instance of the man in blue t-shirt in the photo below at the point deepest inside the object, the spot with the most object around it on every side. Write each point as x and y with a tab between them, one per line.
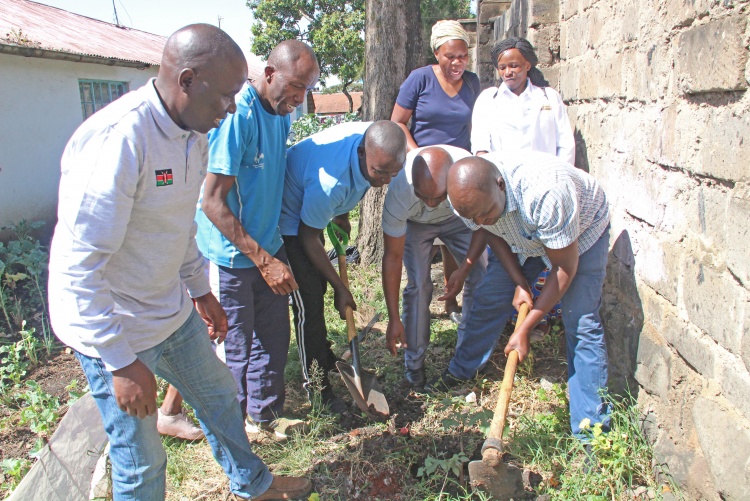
238	230
327	175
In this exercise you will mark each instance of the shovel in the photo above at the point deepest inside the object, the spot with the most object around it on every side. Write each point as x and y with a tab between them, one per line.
490	475
363	385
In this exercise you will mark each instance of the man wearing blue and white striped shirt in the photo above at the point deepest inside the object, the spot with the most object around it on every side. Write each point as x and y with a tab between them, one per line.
534	210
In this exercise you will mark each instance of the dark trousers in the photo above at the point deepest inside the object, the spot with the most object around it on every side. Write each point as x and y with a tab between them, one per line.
308	307
257	342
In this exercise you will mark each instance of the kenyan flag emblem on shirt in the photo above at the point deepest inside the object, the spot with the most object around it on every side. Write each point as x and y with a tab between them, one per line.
164	177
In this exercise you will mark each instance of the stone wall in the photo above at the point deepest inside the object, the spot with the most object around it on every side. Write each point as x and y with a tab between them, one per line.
657	92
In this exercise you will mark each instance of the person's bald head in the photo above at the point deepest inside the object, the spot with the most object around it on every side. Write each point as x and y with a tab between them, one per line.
292	69
382	152
429	174
477	190
201	70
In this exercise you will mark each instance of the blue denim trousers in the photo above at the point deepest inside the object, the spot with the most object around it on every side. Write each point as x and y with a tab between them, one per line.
584	333
185	359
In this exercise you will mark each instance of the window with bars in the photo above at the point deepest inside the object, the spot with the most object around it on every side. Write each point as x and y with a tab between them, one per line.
96	94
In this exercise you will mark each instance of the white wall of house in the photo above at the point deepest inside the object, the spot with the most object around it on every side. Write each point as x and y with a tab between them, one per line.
40	108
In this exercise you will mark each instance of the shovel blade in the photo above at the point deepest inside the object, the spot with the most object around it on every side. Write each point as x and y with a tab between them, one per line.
371	400
501	482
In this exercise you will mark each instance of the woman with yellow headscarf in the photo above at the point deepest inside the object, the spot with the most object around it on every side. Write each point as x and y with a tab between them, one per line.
439	98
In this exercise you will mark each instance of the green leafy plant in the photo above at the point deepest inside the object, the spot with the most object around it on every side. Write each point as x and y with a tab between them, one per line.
309	124
453	464
39	409
14	470
74	392
464	415
23	269
14	362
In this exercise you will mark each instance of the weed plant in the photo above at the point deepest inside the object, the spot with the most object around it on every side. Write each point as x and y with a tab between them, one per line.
23	275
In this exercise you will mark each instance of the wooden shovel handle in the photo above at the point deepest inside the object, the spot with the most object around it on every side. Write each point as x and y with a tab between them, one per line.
351	329
492	454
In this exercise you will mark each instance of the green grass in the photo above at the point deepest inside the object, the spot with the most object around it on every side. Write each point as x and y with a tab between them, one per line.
422	452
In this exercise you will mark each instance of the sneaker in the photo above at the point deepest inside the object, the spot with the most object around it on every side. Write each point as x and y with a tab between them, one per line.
279	429
179	426
415	378
285	488
445	383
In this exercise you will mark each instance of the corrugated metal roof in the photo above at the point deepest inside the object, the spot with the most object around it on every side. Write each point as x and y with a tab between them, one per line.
327	104
45	27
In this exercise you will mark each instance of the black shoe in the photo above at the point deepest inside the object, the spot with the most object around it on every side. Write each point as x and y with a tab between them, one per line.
415	378
445	383
332	367
334	403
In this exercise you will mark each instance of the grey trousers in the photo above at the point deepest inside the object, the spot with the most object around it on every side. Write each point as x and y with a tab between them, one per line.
418	292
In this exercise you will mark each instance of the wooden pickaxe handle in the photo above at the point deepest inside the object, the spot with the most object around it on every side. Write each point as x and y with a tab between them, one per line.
493	446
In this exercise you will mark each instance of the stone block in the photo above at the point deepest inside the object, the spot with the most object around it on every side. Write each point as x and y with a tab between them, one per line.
552	74
655	310
575	34
675	442
652	370
546	42
569	81
725	442
745	348
630	20
610	77
564	29
492	8
734	380
724	144
698	211
722	43
600	78
543	12
598	29
697	349
714	301
648	189
660	265
652	78
568	8
679	13
709	141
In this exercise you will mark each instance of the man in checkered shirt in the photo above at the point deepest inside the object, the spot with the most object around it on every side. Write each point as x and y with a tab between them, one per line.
534	210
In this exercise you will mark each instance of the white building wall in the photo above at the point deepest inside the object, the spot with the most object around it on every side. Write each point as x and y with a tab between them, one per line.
40	108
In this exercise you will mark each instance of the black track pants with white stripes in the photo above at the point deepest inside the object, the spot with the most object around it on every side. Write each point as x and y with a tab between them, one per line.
308	305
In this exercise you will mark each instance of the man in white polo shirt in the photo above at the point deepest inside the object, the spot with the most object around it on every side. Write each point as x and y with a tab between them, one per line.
415	213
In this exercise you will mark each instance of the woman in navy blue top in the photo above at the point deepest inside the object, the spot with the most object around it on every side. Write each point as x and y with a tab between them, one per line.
439	98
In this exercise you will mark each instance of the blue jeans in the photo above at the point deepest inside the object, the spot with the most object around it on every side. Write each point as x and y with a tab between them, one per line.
584	334
187	360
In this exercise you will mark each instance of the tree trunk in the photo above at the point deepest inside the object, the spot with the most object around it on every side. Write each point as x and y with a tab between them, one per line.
392	51
348	96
